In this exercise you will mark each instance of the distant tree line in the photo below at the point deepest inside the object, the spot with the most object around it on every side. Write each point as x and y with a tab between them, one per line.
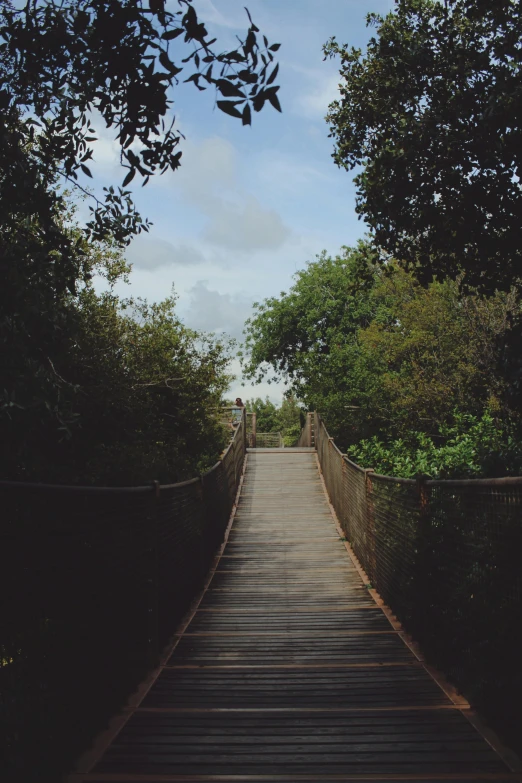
287	419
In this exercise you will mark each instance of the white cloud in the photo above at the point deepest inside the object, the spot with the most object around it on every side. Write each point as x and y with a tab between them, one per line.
291	173
247	390
246	226
236	220
151	253
206	166
212	311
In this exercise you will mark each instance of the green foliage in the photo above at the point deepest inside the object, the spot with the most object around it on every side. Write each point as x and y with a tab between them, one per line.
101	390
267	419
471	447
379	355
434	350
290	415
270	418
60	61
308	335
431	113
138	393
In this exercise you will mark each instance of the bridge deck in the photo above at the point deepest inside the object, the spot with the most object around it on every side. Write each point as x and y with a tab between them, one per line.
289	670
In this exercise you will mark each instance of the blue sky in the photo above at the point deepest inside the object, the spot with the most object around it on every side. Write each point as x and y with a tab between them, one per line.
249	206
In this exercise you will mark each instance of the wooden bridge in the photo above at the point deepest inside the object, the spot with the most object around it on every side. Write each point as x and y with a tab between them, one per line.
289	669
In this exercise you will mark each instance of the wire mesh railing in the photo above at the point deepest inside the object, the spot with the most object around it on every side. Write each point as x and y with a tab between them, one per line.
446	556
93	583
269	440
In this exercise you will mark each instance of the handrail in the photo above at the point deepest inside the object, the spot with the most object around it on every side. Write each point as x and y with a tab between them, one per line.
93	583
446	556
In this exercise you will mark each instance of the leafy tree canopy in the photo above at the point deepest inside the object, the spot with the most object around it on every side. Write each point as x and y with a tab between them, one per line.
378	354
285	419
267	419
60	61
290	335
136	393
98	389
432	113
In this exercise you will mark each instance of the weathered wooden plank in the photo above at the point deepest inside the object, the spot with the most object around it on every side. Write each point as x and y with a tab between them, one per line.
289	671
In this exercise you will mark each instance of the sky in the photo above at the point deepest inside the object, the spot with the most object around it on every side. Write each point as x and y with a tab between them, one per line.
250	205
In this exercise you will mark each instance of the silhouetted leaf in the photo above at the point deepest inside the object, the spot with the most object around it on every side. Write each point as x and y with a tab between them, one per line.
229	90
247	115
259	100
273	75
274	100
129	177
169	35
229	107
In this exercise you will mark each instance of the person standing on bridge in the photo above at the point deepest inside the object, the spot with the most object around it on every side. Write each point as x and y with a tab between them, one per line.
237	412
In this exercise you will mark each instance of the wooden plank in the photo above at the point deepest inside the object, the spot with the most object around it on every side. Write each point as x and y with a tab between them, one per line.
289	670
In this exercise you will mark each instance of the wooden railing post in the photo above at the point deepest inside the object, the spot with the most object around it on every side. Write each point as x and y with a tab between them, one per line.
153	580
422	576
371	565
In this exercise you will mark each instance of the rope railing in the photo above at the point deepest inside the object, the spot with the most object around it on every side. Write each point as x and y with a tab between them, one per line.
446	556
93	583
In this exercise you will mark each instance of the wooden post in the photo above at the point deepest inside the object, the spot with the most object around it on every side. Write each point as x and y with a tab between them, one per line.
153	580
371	565
423	569
254	430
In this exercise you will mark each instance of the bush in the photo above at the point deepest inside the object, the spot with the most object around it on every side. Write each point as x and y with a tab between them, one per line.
471	447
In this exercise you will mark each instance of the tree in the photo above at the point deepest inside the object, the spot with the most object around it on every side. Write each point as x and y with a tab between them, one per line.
114	391
377	354
137	398
59	62
148	389
270	418
434	351
308	336
432	113
290	418
267	419
471	447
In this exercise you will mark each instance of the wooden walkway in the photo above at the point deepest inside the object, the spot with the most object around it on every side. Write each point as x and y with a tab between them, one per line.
289	670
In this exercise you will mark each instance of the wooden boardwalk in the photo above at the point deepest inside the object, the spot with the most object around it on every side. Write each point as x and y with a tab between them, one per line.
289	670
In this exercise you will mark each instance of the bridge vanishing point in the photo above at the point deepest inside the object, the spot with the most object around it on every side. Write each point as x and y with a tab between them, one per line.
290	668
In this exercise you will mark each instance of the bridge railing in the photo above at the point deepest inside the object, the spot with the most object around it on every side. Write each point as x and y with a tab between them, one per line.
306	438
93	583
269	440
446	556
